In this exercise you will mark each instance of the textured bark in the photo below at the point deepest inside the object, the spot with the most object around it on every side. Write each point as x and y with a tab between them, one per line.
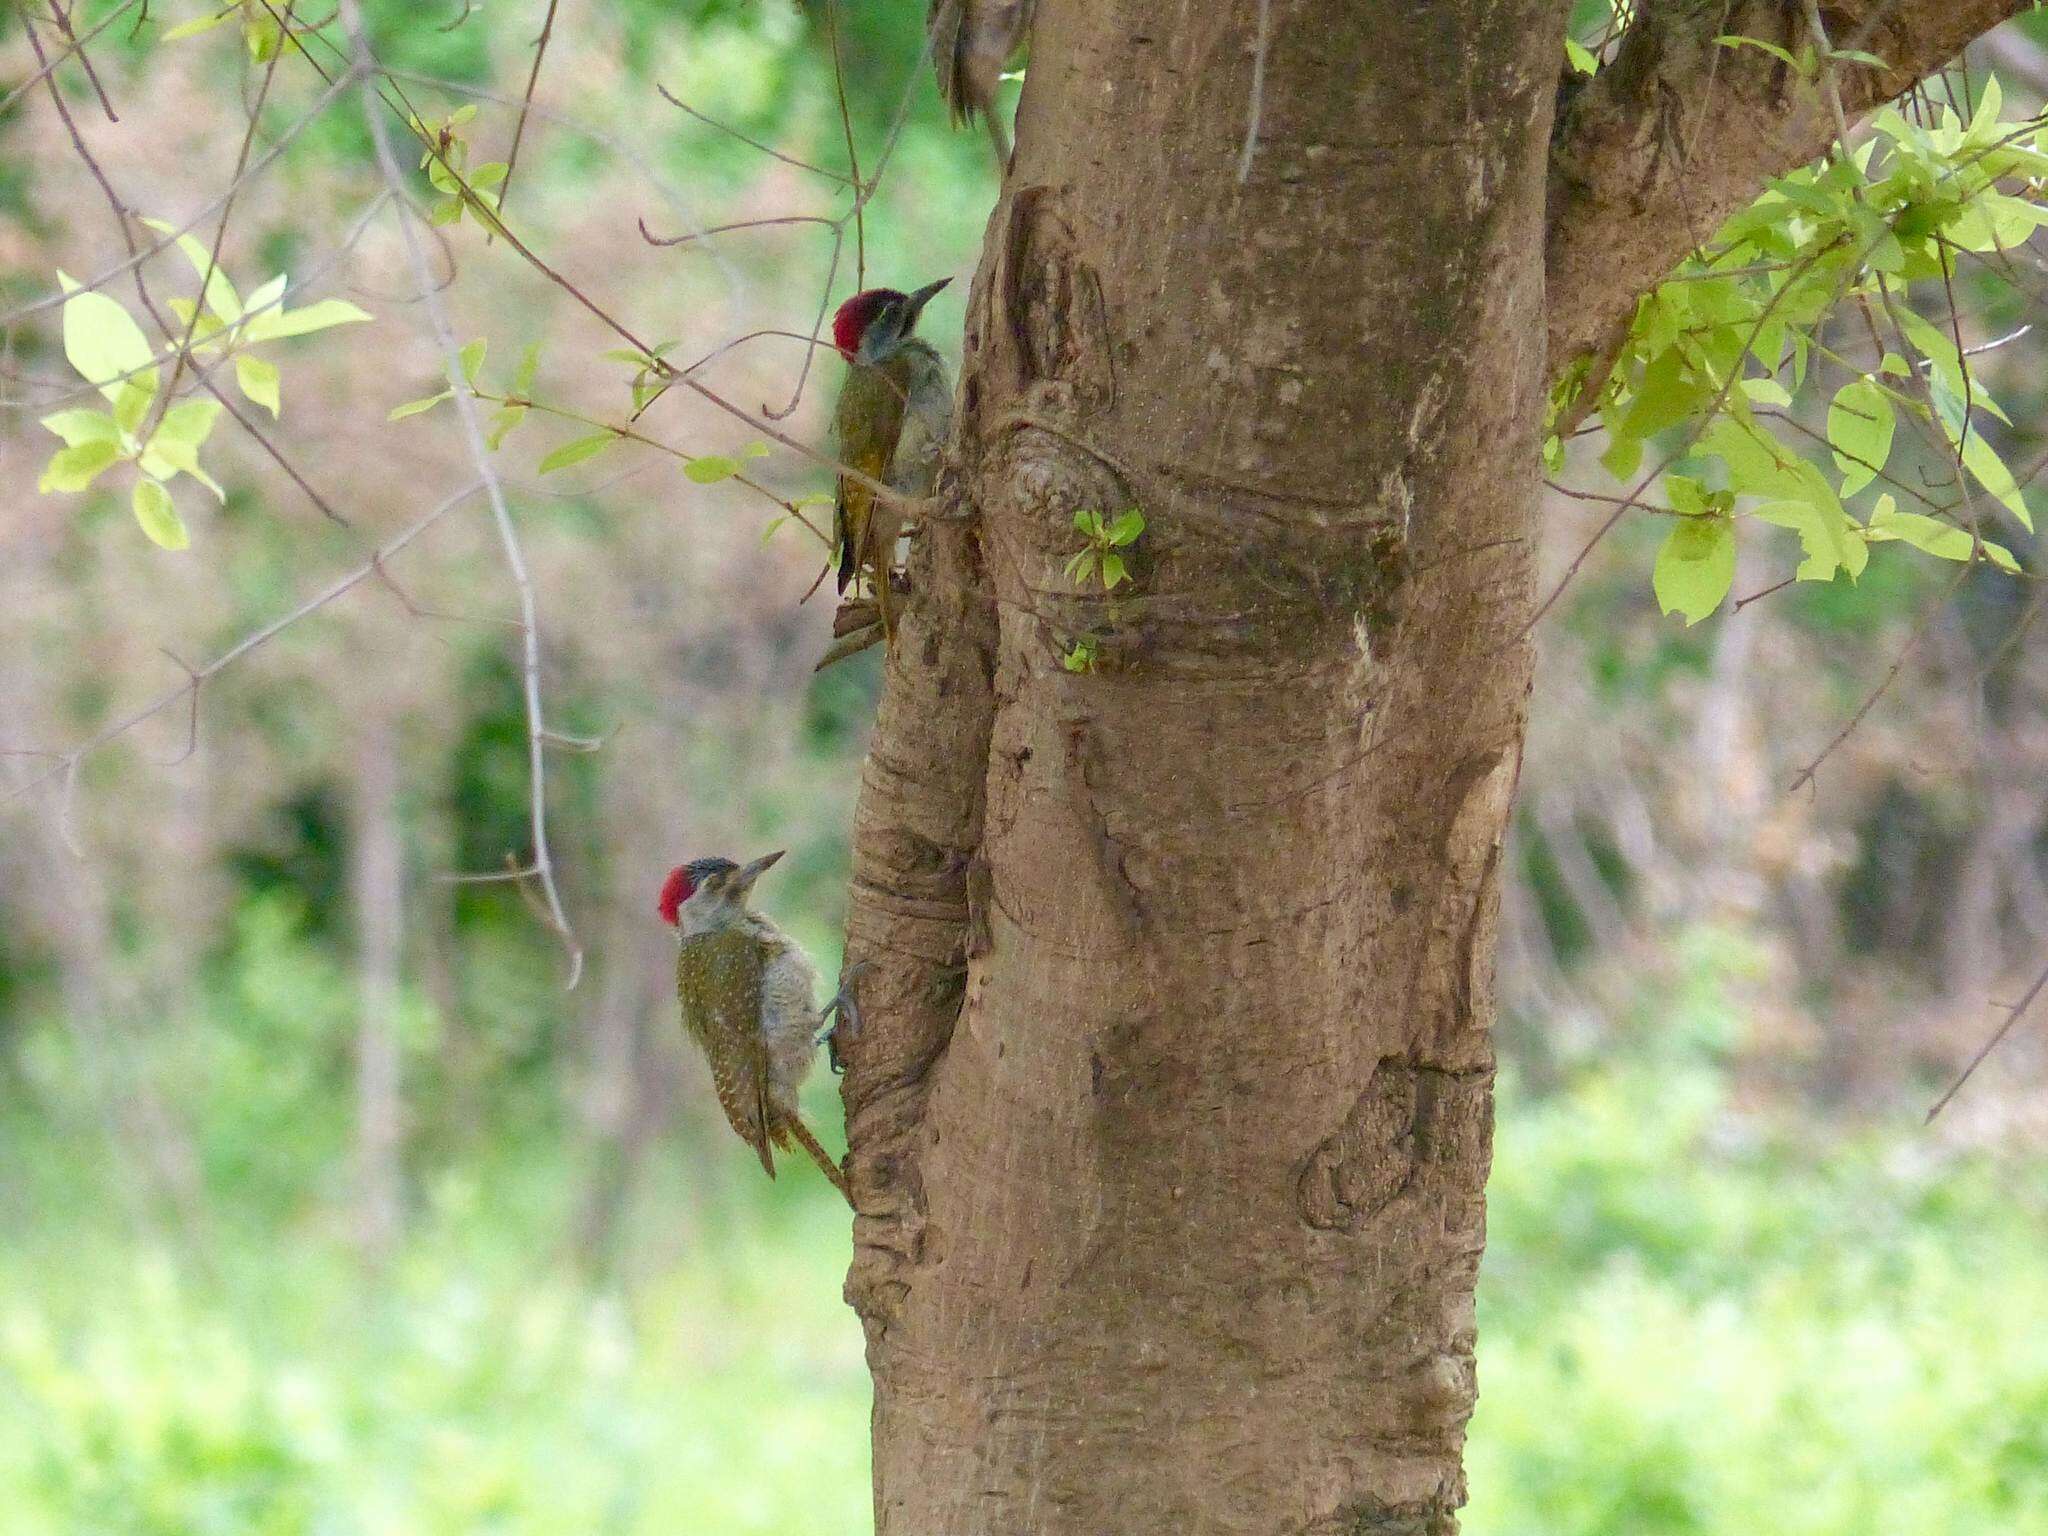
1170	1122
1678	132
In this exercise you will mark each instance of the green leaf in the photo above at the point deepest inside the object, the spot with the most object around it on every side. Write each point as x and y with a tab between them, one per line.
1664	398
264	300
710	469
508	417
1766	392
472	357
414	407
1980	458
261	33
1127	527
1113	572
221	297
1696	567
1829	541
189	421
103	343
73	469
1685	494
132	400
168	456
82	426
1728	41
1580	56
1860	428
755	450
1080	567
274	325
576	450
258	380
529	365
159	519
1945	541
187	29
1857	56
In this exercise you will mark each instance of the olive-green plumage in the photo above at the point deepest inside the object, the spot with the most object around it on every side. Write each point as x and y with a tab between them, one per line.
718	981
749	1000
892	420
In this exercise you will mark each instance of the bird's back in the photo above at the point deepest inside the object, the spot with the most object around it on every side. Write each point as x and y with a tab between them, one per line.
719	982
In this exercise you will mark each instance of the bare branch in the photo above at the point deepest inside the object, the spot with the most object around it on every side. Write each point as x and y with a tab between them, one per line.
65	763
501	514
76	45
540	51
2013	1015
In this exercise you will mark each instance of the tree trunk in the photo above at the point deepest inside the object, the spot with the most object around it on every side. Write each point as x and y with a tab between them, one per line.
1171	1119
377	884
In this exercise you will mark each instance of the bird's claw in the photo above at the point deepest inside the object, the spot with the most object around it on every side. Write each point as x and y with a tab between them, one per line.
847	1009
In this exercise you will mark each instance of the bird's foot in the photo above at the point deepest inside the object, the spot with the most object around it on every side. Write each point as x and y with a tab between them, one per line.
846	1007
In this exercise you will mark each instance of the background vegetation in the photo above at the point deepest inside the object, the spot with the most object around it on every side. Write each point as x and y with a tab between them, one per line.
1731	1283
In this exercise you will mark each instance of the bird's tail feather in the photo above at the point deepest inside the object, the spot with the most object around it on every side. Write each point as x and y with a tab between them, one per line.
819	1155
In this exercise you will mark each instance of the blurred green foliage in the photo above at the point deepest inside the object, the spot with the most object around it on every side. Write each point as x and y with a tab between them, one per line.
1691	1320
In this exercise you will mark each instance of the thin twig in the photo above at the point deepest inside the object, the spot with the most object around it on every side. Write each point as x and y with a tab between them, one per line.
501	514
74	45
2012	1017
77	45
712	122
540	51
66	762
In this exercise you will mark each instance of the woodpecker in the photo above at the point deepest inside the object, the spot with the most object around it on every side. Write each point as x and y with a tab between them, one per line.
748	995
895	411
972	42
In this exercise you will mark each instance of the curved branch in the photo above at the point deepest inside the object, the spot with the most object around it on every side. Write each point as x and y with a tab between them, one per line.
1678	131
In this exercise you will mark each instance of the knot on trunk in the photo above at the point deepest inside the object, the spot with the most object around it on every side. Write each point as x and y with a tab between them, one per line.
1410	1119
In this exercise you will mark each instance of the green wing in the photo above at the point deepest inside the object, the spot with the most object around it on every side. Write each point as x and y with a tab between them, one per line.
870	419
718	980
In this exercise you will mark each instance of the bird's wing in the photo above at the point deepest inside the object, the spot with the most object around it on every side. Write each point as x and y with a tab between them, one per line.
718	978
870	419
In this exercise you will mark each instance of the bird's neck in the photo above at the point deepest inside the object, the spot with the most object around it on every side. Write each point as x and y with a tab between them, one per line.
725	917
697	917
909	354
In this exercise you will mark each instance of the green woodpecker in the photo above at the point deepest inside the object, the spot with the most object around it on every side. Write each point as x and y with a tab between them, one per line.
972	42
749	999
894	414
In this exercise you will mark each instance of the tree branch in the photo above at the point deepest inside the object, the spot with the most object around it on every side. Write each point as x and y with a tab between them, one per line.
1679	131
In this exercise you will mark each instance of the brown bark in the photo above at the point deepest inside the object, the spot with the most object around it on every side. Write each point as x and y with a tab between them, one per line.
1170	1123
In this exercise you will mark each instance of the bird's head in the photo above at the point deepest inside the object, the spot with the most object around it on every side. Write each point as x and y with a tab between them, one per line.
870	326
714	882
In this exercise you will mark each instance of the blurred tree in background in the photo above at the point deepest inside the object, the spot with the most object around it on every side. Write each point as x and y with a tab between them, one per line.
325	1221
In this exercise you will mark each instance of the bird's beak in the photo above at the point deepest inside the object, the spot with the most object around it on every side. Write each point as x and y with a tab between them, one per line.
749	873
922	297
